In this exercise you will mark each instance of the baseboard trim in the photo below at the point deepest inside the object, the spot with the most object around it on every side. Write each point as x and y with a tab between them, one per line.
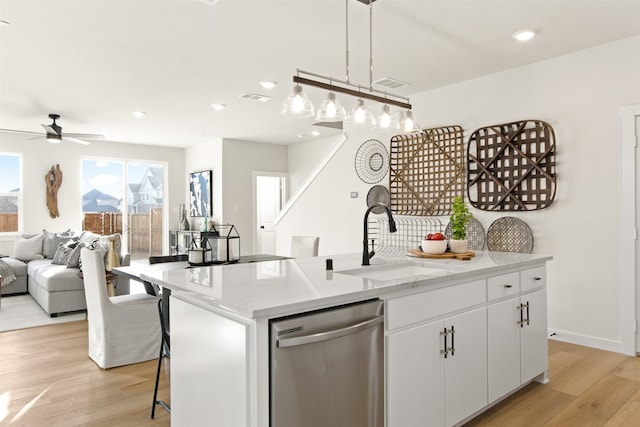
586	340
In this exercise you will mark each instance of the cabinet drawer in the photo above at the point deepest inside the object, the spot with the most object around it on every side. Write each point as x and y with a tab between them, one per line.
410	309
503	285
533	278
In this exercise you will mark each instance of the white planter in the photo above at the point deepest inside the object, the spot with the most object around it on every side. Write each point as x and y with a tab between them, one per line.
459	246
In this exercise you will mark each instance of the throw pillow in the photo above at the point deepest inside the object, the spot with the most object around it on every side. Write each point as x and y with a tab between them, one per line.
28	249
74	257
51	240
62	254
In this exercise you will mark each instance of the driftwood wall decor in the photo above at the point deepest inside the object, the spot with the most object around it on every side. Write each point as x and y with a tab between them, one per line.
53	178
512	167
427	171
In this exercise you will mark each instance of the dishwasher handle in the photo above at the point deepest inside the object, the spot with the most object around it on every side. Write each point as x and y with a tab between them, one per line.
324	336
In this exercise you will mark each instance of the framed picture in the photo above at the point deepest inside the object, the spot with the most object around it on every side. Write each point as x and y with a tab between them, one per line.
200	193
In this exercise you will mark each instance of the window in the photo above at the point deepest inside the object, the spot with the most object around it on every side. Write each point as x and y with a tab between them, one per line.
127	198
10	192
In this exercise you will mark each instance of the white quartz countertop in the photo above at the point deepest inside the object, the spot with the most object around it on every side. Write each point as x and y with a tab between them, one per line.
277	288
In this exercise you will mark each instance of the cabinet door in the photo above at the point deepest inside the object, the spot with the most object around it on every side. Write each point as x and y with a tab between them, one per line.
415	377
466	368
534	335
503	347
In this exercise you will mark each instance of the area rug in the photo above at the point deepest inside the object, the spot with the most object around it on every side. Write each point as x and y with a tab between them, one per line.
22	311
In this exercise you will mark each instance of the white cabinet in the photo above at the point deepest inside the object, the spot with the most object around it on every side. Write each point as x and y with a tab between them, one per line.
415	377
496	341
533	341
517	335
428	380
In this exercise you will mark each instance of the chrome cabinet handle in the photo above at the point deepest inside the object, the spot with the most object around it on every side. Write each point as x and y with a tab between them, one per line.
521	321
528	318
324	336
453	345
446	350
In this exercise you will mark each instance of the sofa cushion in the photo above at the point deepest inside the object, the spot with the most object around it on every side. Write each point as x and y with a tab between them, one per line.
51	240
19	267
27	249
57	278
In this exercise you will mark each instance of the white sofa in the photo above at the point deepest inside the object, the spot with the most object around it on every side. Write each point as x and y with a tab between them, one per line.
56	287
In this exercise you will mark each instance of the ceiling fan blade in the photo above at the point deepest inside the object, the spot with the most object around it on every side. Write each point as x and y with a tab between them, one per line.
50	129
21	131
83	135
76	140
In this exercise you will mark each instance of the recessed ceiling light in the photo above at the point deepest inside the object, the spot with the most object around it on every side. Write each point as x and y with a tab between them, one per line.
524	35
315	133
5	23
268	84
218	107
138	114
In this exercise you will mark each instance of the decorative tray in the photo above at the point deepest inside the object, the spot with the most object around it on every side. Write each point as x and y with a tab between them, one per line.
417	253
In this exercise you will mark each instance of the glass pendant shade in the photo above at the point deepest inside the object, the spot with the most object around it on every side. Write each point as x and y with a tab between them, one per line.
360	115
297	104
408	123
330	110
386	120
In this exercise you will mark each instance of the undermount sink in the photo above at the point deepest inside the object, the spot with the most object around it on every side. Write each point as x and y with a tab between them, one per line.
393	271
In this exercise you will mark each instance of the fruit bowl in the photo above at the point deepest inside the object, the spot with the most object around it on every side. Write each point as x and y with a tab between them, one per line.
434	247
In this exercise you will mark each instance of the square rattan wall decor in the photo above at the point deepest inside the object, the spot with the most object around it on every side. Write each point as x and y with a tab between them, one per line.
427	171
512	167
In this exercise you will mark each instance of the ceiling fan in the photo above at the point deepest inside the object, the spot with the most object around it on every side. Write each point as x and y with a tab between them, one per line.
53	133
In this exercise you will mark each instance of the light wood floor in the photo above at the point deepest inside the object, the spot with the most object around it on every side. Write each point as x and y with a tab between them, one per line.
47	379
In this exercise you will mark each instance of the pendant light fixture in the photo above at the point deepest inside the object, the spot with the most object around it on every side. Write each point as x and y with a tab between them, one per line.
298	105
386	121
330	110
360	115
408	124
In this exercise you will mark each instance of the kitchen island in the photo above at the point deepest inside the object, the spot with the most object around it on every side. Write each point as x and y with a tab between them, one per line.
494	306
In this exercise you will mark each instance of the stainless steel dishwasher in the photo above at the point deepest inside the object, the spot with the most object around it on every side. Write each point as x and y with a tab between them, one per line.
327	368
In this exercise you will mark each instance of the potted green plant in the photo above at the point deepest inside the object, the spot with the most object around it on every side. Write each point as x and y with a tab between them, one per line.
459	219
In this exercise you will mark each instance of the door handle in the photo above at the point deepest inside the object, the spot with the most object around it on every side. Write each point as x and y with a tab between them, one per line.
262	226
324	336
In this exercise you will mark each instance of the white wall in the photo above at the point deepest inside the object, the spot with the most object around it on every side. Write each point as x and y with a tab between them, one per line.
303	158
326	208
38	157
240	159
580	95
205	156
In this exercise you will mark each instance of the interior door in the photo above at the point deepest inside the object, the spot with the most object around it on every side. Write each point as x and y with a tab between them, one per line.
269	202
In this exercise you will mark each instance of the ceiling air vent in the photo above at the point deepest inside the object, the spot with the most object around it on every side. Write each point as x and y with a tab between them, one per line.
255	97
390	83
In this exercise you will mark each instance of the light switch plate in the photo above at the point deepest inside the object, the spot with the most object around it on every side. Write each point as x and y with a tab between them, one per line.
354	194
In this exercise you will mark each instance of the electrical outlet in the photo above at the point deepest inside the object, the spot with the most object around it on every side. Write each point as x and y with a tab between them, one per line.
354	194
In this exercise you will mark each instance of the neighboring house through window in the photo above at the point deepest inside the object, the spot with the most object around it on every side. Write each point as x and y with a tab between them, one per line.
120	196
